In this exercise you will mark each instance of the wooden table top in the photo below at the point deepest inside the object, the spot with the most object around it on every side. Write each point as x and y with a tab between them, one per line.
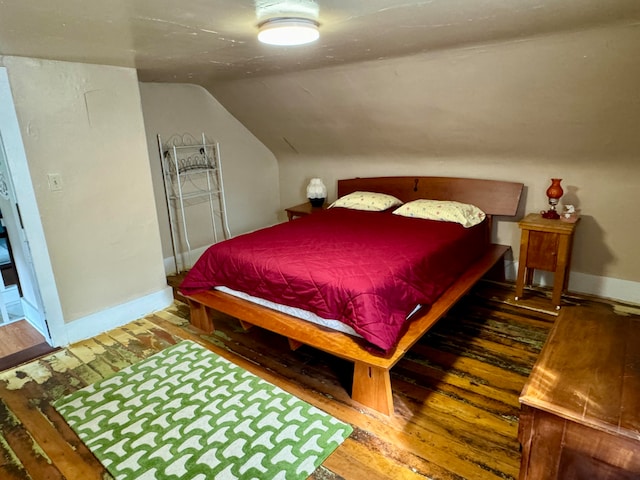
306	208
535	221
589	371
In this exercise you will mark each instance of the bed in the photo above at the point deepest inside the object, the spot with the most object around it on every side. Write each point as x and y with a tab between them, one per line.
372	350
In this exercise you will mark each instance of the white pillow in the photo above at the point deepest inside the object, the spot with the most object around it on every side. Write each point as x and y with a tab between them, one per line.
371	201
449	211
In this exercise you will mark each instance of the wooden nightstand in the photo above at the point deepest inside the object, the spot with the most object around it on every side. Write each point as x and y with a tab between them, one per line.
302	210
545	245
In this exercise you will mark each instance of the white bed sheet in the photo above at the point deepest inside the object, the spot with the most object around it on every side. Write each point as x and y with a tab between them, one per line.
293	311
298	312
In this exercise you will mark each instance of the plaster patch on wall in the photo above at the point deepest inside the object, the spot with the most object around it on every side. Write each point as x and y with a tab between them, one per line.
103	108
95	102
32	130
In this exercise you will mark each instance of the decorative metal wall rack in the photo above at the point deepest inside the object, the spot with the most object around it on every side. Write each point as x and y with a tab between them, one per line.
192	173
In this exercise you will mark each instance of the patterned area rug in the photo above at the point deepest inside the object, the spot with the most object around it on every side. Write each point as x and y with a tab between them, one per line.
186	413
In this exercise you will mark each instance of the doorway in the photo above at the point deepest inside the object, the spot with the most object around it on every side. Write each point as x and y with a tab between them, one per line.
19	255
30	266
22	337
10	291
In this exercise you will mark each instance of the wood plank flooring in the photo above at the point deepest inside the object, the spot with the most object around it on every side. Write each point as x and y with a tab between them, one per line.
455	393
17	336
19	343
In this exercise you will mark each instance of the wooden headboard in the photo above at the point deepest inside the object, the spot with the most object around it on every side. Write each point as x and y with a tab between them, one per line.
494	197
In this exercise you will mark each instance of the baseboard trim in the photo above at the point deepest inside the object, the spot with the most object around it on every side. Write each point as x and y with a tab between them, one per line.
603	287
117	316
170	264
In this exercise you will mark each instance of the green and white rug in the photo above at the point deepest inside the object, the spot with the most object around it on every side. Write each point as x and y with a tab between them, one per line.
186	413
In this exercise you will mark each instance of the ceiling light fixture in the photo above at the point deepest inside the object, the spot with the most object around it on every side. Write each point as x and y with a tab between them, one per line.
288	31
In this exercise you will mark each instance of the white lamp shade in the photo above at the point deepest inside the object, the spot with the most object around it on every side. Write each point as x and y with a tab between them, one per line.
316	189
288	31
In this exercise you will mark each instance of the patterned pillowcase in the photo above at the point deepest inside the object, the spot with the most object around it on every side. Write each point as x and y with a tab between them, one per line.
449	211
371	201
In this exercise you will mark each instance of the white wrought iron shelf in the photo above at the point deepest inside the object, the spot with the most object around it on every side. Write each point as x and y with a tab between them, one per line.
192	169
187	196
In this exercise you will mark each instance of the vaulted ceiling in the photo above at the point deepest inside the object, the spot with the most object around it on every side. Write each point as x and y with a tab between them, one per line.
204	41
522	79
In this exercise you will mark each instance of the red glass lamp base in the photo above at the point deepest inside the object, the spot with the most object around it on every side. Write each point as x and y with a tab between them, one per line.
551	213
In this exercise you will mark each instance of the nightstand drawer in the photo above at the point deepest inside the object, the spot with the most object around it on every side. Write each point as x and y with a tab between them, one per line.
543	250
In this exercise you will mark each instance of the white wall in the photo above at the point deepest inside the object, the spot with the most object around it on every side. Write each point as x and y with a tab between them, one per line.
564	105
84	122
250	170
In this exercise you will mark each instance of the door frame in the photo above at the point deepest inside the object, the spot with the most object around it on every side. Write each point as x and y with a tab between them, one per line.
25	195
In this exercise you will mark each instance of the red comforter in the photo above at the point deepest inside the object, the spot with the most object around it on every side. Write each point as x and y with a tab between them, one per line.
366	269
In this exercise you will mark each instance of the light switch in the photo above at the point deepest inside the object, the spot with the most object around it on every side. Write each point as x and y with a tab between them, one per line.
55	182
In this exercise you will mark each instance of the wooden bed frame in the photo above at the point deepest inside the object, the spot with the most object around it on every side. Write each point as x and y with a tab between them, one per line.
371	377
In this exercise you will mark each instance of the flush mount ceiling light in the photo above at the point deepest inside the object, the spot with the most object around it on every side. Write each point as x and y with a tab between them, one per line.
288	31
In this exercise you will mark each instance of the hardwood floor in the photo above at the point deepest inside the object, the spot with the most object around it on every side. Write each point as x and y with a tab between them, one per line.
17	336
456	393
19	343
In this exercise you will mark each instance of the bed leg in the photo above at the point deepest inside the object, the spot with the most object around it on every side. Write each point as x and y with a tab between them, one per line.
372	387
246	326
200	317
294	344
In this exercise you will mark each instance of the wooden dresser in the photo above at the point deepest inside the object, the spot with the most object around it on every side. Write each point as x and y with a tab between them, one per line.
580	416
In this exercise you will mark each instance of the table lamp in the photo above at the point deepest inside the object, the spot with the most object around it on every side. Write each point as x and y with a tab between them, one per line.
554	193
